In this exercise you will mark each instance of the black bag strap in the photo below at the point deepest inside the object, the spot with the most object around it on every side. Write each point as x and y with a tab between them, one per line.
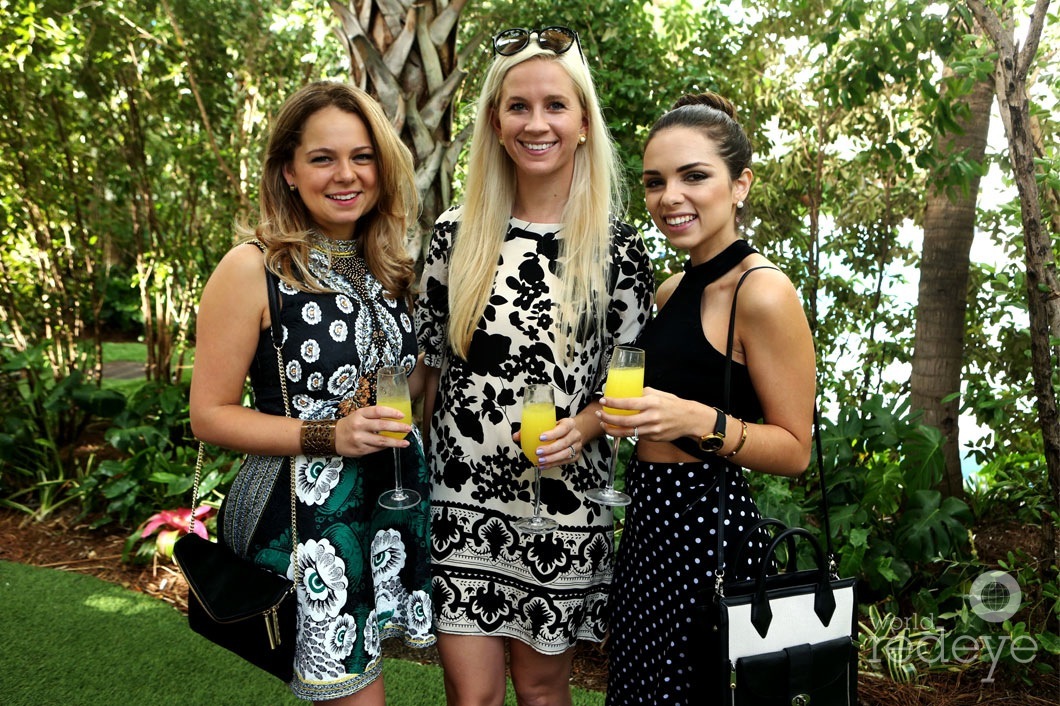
762	524
719	576
727	389
272	287
829	553
275	328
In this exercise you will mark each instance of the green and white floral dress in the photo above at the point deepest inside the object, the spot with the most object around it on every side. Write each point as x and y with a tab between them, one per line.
364	569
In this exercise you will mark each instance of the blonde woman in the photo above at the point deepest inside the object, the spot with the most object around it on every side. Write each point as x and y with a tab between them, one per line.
532	280
337	194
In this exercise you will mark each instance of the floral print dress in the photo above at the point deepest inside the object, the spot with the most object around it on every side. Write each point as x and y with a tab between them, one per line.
364	571
545	590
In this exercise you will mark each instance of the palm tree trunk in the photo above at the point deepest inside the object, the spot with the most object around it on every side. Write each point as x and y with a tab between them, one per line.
403	52
949	228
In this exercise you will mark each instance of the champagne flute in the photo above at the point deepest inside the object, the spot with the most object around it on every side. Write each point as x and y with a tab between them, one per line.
539	416
392	390
625	378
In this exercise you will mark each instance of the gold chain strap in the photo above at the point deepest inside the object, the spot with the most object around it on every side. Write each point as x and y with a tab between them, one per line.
195	489
294	495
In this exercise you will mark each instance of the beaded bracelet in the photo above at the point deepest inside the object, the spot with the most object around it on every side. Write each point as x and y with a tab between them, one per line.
318	437
740	443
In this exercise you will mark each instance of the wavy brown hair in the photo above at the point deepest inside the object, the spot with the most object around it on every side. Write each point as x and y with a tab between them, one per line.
285	224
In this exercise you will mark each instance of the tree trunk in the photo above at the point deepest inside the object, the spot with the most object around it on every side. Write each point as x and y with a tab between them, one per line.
949	228
403	52
1043	289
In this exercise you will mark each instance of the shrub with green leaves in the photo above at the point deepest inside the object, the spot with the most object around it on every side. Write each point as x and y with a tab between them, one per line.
157	464
41	419
890	523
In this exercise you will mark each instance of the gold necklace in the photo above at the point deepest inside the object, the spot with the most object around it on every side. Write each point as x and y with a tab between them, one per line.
332	247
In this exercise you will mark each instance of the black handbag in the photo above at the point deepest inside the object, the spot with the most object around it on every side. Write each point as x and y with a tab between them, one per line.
782	637
233	602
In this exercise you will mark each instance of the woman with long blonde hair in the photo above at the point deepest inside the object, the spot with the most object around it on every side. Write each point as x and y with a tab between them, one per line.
532	280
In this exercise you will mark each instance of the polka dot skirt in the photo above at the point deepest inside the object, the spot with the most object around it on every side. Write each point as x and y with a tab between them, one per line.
667	555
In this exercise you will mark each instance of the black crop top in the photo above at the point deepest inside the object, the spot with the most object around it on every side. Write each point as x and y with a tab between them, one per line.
679	359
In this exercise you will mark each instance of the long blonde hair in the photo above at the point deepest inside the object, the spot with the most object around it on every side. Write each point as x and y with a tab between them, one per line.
596	194
285	224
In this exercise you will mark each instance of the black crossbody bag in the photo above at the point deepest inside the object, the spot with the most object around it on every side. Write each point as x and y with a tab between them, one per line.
233	602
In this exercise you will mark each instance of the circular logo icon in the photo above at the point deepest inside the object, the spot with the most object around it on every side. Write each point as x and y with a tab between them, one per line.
995	596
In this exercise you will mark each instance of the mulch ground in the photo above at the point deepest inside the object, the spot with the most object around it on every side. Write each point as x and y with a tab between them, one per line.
62	543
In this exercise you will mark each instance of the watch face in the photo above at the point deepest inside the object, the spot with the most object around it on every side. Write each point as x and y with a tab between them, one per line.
711	443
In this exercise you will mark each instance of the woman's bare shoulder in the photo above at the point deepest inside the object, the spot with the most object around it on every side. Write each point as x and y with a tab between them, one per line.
667	288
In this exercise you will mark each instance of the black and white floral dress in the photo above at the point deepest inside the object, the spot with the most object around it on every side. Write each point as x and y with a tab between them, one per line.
545	590
365	572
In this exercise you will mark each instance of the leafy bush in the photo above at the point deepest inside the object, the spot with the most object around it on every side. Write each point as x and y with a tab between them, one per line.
910	547
41	419
158	460
889	523
1012	485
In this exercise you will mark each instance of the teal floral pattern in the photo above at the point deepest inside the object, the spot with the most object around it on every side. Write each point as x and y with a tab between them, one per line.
363	572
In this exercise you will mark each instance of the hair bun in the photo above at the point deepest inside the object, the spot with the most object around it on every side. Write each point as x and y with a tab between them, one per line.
708	99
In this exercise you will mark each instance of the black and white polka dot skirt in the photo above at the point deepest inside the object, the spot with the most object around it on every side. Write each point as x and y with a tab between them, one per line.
667	555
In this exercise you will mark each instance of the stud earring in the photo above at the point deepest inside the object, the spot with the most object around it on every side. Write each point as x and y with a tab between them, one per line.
500	140
292	187
739	205
582	139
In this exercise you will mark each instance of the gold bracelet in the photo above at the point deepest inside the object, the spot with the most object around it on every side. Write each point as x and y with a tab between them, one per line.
740	443
318	437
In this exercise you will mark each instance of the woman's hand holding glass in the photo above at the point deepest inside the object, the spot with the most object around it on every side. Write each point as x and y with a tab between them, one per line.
625	378
539	417
392	390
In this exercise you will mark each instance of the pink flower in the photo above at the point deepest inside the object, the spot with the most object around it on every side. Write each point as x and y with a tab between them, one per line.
178	521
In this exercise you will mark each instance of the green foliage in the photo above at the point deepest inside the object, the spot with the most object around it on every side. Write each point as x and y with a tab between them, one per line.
150	194
42	419
932	526
889	526
1012	486
890	646
156	464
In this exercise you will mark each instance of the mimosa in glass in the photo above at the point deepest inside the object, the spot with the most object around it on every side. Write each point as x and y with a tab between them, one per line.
392	390
539	416
625	378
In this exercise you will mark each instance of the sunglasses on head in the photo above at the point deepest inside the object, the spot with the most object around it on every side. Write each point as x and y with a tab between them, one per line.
555	39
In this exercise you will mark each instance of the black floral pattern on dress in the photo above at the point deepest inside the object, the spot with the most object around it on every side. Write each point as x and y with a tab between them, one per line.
551	590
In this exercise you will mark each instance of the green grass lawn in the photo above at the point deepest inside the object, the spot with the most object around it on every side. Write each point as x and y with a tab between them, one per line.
66	638
134	352
117	351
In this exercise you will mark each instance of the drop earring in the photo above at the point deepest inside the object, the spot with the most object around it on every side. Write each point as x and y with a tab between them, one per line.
292	187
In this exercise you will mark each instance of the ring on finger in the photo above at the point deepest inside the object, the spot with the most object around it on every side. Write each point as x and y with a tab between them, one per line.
572	452
636	436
